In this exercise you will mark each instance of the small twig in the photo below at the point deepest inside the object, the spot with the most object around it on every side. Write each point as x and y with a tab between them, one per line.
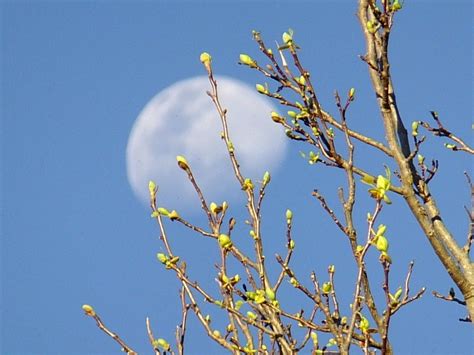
442	131
330	211
181	329
151	337
100	324
451	297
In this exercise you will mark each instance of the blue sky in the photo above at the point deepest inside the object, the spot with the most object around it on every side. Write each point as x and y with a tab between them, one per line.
75	75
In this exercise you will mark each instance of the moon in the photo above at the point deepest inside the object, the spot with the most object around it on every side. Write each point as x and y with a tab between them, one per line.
182	120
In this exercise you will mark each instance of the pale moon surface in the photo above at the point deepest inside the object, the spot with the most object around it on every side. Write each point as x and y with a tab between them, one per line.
182	120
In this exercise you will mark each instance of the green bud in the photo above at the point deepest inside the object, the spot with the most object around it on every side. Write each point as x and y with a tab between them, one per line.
421	159
414	128
213	207
251	315
152	188
261	89
396	6
314	338
248	185
162	258
289	216
327	287
291	244
450	146
382	243
205	58
381	229
294	282
207	318
277	118
253	234
216	333
230	146
364	324
89	310
371	27
266	178
351	93
292	114
183	164
173	215
163	211
398	293
224	241
301	80
270	294
287	37
331	269
162	343
247	60
238	304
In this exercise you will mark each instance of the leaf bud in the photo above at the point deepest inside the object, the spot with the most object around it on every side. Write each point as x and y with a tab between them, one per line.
261	89
266	178
301	80
88	310
327	287
289	216
183	164
251	315
414	128
247	60
421	159
270	294
277	118
248	185
292	114
396	6
162	258
364	324
173	215
371	27
238	304
253	234
163	211
162	343
224	241
291	244
216	333
382	244
206	59
152	189
398	293
351	93
287	37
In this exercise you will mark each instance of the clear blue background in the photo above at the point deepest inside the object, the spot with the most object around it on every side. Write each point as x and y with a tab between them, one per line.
74	77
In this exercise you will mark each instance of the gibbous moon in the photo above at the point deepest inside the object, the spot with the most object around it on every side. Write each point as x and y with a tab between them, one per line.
182	120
